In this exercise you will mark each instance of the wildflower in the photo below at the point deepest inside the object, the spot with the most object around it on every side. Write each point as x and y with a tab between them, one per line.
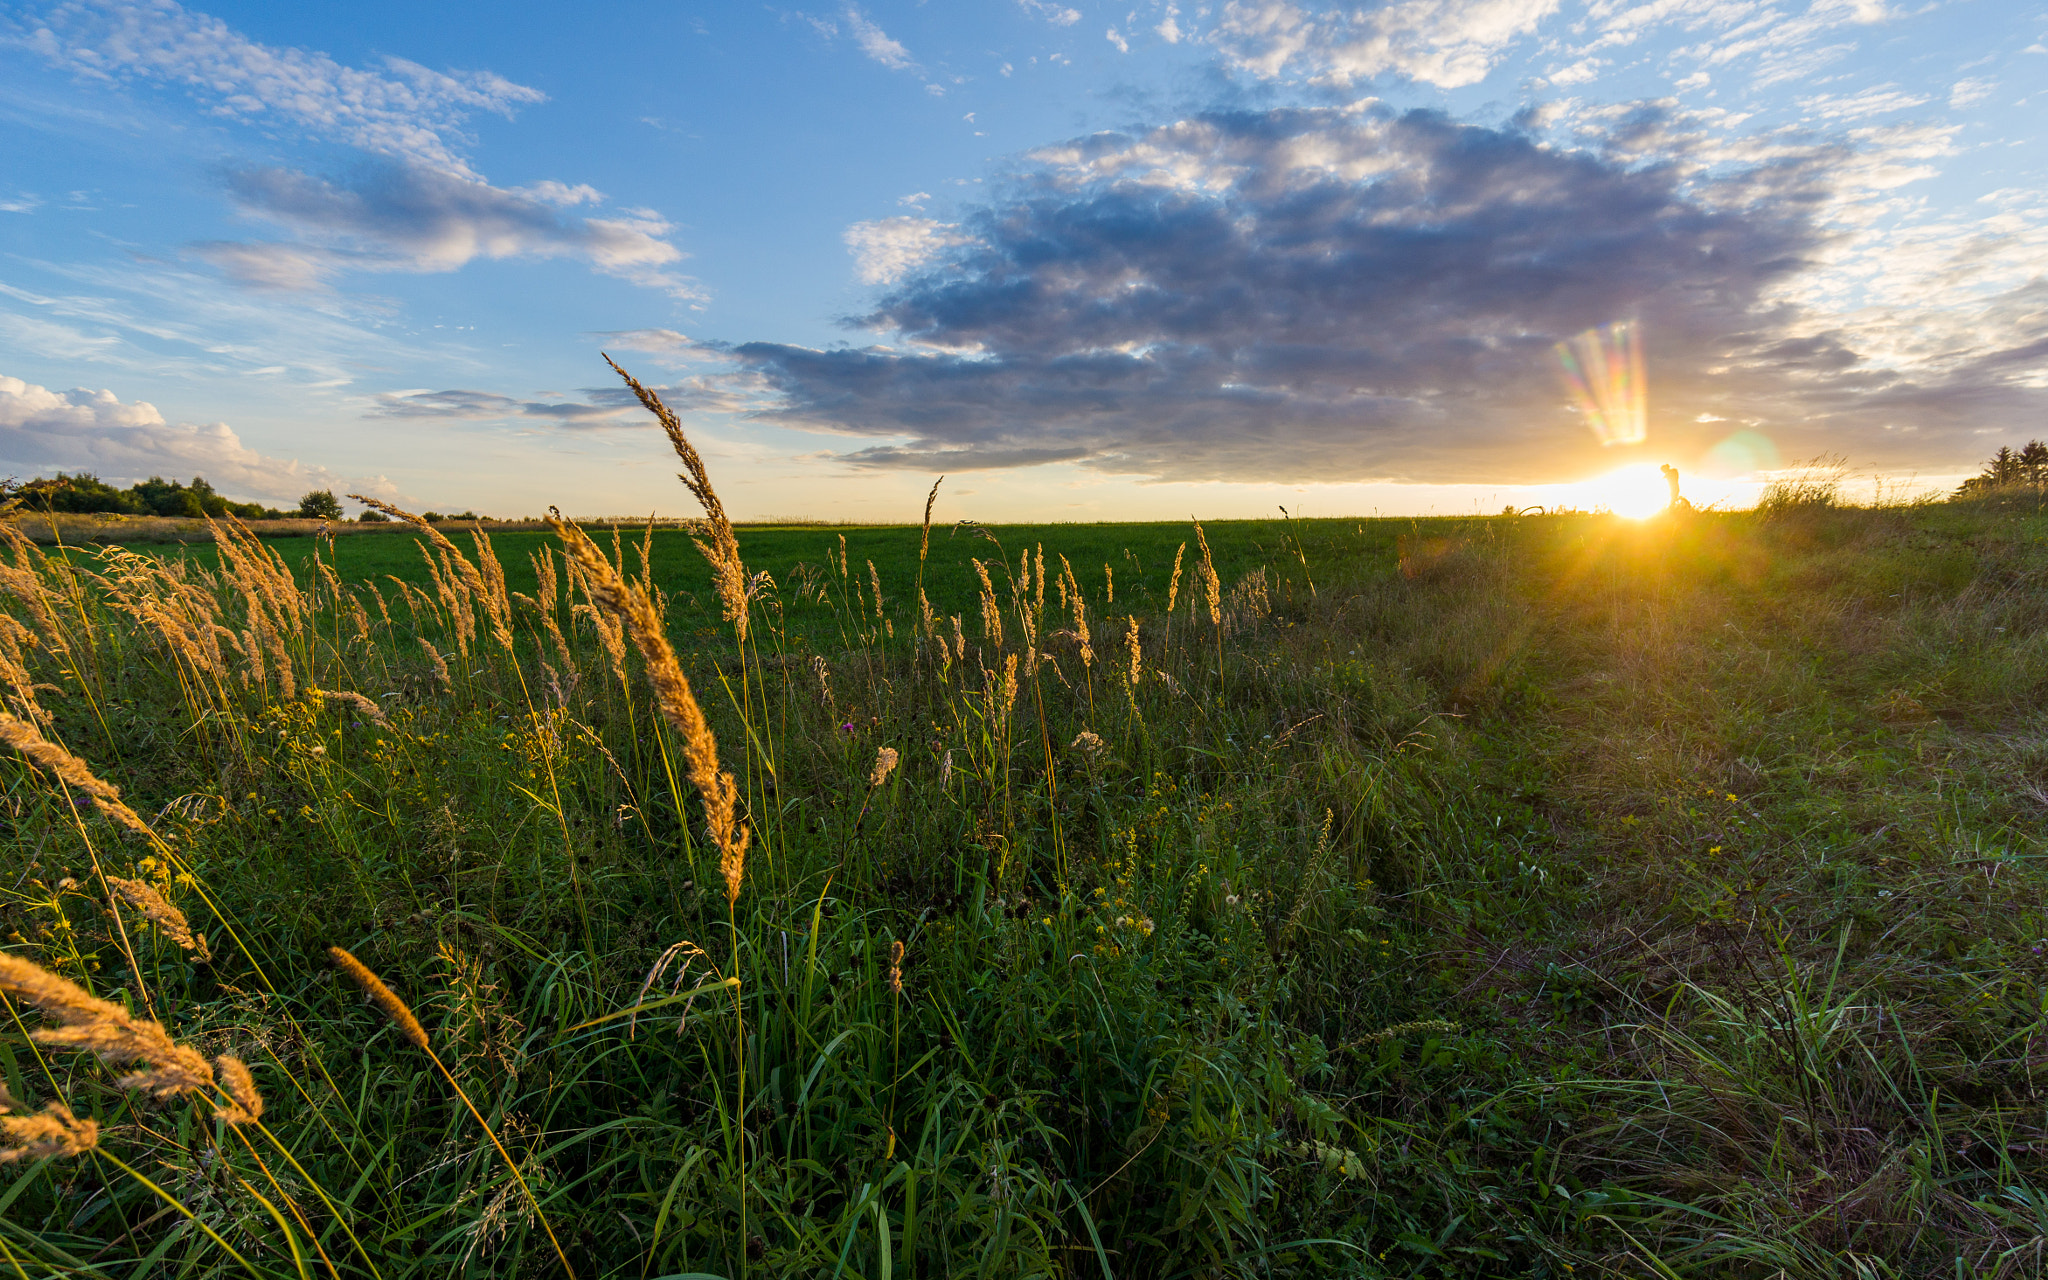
1088	743
885	764
896	967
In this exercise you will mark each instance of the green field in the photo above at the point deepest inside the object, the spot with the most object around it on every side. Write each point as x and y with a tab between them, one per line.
1140	555
1591	897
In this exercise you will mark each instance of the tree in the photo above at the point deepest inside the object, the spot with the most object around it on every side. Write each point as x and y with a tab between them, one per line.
321	504
2010	469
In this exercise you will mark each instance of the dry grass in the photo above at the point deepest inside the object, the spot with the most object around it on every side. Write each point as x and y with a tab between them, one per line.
674	696
70	770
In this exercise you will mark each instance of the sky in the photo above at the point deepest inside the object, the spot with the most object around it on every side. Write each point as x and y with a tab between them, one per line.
1089	262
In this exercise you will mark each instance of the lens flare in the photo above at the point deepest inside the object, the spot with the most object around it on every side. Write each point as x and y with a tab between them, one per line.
1637	491
1604	369
1744	453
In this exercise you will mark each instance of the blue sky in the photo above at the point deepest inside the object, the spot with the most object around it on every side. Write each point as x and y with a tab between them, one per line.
1091	262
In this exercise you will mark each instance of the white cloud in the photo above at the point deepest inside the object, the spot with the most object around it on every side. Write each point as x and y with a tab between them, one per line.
421	208
1058	15
403	110
1968	93
81	430
1169	26
1875	101
1580	72
23	203
1449	43
653	341
875	42
887	249
1122	45
402	217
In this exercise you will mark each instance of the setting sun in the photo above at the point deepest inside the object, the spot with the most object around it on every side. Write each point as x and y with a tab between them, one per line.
1636	491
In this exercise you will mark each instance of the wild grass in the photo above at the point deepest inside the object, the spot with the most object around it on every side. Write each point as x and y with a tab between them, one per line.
1591	897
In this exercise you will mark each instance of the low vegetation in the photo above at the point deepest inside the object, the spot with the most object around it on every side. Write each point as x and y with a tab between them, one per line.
1535	895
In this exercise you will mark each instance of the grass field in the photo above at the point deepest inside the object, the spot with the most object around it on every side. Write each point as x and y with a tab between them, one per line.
1521	896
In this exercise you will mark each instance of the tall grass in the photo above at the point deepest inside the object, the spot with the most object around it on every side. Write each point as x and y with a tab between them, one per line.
1546	910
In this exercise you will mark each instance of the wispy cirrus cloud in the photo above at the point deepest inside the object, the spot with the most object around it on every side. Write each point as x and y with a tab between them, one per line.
415	204
875	42
489	406
401	109
596	407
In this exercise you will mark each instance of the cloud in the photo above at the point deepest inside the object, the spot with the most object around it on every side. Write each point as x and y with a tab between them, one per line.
887	249
402	110
660	342
1058	15
1875	101
1970	92
396	216
1363	295
1122	45
1169	26
490	407
876	44
598	407
81	430
1449	43
418	205
22	203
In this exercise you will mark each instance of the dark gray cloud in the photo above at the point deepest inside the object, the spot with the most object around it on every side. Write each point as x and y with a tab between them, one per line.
1351	294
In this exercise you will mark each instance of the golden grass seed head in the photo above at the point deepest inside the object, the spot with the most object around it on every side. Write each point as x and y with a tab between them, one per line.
70	770
885	764
924	544
355	702
143	896
240	1087
104	1028
53	1133
678	703
382	996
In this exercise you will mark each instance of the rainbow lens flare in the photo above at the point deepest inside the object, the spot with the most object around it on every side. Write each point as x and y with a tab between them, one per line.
1604	369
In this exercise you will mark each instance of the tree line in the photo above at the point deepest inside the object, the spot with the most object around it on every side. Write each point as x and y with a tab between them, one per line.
85	494
2010	468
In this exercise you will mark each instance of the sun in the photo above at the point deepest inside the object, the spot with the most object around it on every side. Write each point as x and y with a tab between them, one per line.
1636	491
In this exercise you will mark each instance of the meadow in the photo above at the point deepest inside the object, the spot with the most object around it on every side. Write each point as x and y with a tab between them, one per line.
1545	895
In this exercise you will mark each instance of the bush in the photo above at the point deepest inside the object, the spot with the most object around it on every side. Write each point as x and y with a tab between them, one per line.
373	516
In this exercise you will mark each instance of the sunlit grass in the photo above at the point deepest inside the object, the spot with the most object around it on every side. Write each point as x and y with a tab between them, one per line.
1596	891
